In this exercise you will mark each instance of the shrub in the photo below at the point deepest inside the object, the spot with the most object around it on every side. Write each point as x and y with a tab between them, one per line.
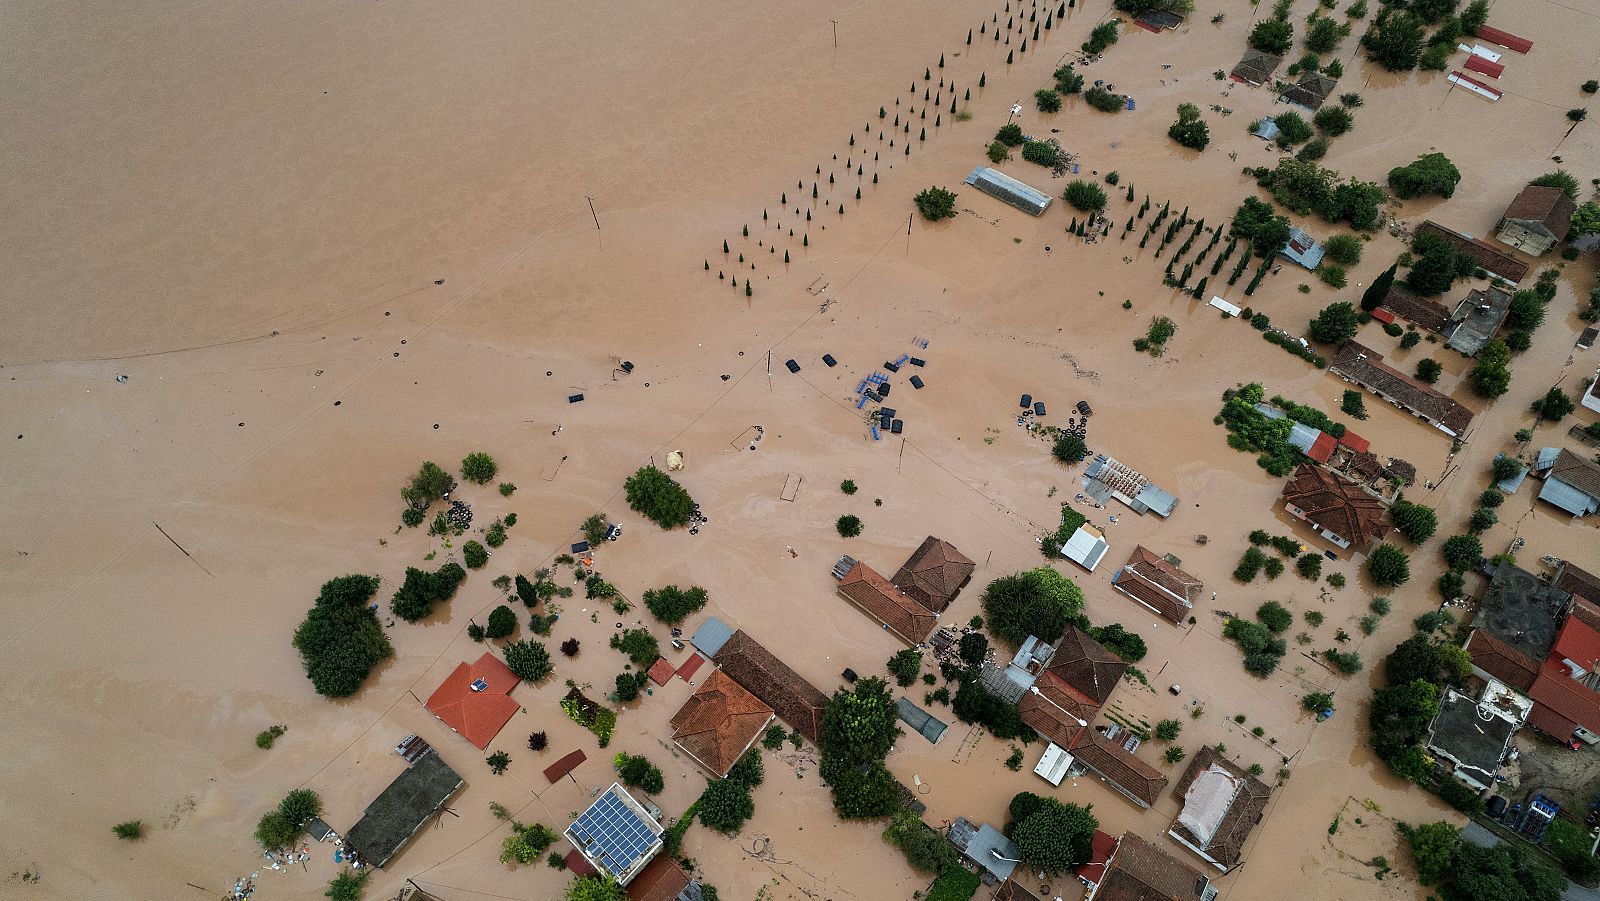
300	805
1345	662
1038	602
474	555
1167	730
654	494
1333	120
1558	179
637	770
1309	566
1190	130
347	885
905	665
428	485
936	203
340	639
1103	100
131	830
1068	81
1175	754
1069	448
1047	100
528	659
672	604
640	646
267	737
1273	615
525	843
1482	520
1343	249
1292	129
274	832
502	622
725	805
1127	645
1415	521
1010	135
849	525
570	647
1040	152
1317	701
847	486
1431	173
1084	196
1332	275
1249	565
1103	36
998	153
478	467
1429	370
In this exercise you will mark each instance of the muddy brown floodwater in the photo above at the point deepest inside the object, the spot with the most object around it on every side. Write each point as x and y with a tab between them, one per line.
328	241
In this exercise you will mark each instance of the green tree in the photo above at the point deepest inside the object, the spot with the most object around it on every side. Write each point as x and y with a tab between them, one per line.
859	725
1038	602
1343	249
1041	153
640	646
340	639
528	659
1416	522
595	888
1336	324
300	805
672	604
1389	566
725	805
478	467
905	665
1292	128
1438	266
1586	218
654	494
274	832
1431	173
1273	36
1256	221
1501	873
1395	41
1084	196
936	204
1421	659
1554	405
1010	135
1069	448
973	648
1047	100
347	886
1490	378
1333	120
1056	837
428	485
849	525
474	555
1433	849
525	843
748	770
1324	34
1317	701
1190	130
1560	178
1379	290
1462	552
1068	81
1473	17
1168	730
502	622
1428	370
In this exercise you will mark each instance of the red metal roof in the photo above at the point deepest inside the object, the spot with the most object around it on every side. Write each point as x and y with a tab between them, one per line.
578	865
1355	442
1577	642
1322	448
1100	849
1478	64
478	716
690	667
565	765
1383	316
1504	39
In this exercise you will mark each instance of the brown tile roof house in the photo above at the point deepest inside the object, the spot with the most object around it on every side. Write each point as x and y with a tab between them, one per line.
1493	657
1056	710
1537	220
1139	871
1365	367
1221	805
1086	665
1578	582
934	574
1339	509
1494	260
1131	777
1012	890
879	599
662	879
1159	585
1426	313
719	722
796	701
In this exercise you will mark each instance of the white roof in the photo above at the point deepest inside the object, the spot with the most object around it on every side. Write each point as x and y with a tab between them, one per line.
1054	764
1225	307
1207	802
1086	547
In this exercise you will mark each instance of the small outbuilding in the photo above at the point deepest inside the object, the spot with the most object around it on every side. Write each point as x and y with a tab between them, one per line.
1537	220
1004	188
1302	249
1086	547
1256	67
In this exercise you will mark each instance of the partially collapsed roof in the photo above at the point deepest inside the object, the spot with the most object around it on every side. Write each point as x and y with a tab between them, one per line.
402	808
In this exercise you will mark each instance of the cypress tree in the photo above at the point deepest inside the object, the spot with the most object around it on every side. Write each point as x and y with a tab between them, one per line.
858	193
1061	11
1033	16
819	168
983	27
969	37
927	75
941	60
967	95
880	135
852	140
937	120
813	190
952	104
786	256
708	265
882	112
922	135
1047	21
925	95
874	178
1036	32
724	245
808	215
1130	193
897	118
1010	55
735	281
983	78
805	240
1375	295
763	215
1024	47
747	231
720	276
1073	225
785	198
997	35
908	150
924	114
830	178
874	156
1129	226
1010	21
746	287
841	209
741	258
859	170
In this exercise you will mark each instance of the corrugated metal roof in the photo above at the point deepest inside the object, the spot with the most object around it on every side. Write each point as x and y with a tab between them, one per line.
1005	188
1302	436
1086	547
711	636
1303	249
1566	497
1160	502
1479	64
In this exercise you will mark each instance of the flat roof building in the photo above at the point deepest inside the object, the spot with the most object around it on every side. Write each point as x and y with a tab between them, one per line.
402	808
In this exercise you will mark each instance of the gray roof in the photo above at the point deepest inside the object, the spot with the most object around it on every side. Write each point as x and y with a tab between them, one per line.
1158	501
1003	187
925	723
981	843
1266	129
1476	320
1474	741
1009	682
711	636
1303	436
1571	499
1522	610
402	808
1302	249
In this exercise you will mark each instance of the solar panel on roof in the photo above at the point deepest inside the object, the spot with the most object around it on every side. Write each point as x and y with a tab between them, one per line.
616	835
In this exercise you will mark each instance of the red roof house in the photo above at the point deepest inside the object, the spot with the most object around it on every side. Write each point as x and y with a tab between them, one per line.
475	700
719	722
1562	705
1336	507
882	600
1504	38
1577	647
1479	64
1100	848
1156	583
662	879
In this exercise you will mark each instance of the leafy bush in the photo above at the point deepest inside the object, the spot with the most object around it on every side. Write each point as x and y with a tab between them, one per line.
1068	81
1274	616
1309	566
1069	448
1084	196
415	597
1190	130
1333	120
340	639
937	203
637	770
849	525
502	622
131	830
267	737
526	842
905	665
654	494
1431	173
528	659
1292	128
1346	662
1047	100
347	886
672	604
1040	152
1167	730
1103	36
1343	249
640	646
1038	602
998	153
1010	135
1249	565
1127	645
478	467
1103	100
428	485
1415	521
1272	36
1389	566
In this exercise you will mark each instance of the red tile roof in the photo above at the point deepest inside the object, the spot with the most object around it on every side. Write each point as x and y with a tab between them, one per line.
796	701
1365	366
1055	710
1140	871
1558	694
1355	442
565	765
1501	660
1504	39
1383	316
578	866
1111	762
908	619
660	880
1322	448
1012	890
1086	665
1149	579
718	722
477	715
934	574
1577	642
1100	849
1336	505
660	671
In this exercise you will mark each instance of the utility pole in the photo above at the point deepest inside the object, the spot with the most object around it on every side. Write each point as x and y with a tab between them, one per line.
835	33
592	212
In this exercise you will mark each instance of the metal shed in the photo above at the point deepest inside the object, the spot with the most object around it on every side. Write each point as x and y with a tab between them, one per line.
1008	190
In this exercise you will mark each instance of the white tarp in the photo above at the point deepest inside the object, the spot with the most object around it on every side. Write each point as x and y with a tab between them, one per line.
1480	50
1207	802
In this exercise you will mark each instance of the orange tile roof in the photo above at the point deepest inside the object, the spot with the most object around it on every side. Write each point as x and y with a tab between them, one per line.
1337	505
1501	660
1577	642
478	716
796	701
660	880
718	722
1086	665
1558	693
1055	710
881	600
1149	579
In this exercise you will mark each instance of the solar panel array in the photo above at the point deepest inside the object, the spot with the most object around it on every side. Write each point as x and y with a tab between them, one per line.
613	834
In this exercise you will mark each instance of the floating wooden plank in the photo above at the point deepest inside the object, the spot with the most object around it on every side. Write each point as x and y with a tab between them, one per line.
791	487
1504	39
1472	84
